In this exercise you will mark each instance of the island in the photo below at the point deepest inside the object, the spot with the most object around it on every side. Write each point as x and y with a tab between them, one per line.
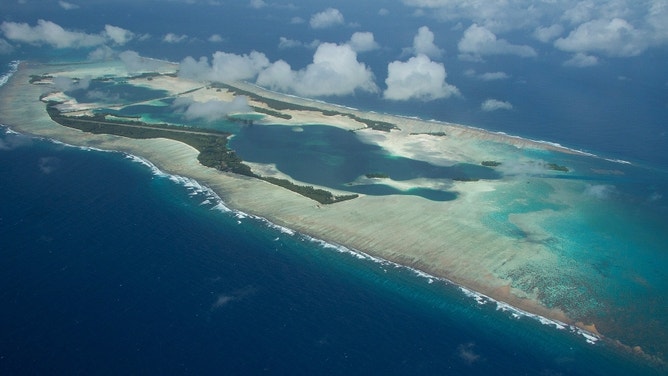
490	236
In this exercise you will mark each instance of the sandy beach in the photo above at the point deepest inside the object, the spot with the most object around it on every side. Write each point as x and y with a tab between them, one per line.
445	239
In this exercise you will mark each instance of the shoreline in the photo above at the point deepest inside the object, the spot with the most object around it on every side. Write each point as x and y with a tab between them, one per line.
330	224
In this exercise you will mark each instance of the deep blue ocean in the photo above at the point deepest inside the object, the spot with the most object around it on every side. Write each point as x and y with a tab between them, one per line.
109	267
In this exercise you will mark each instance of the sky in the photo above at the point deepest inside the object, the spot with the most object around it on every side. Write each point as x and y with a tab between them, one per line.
420	52
584	33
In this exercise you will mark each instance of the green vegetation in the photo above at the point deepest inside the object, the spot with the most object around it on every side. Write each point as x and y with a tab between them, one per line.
34	78
320	195
438	134
269	112
377	175
556	167
490	163
280	105
212	147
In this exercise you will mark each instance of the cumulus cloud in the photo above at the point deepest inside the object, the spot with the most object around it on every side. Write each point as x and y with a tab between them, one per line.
67	6
284	43
494	15
423	43
335	70
11	141
619	28
211	110
479	41
174	38
327	18
49	164
547	34
614	37
5	47
600	192
102	53
297	20
495	104
363	41
418	78
134	63
580	60
487	76
70	84
47	32
117	34
257	4
467	353
493	76
215	38
224	67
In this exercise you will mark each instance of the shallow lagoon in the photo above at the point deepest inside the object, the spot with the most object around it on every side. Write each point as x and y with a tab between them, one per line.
335	158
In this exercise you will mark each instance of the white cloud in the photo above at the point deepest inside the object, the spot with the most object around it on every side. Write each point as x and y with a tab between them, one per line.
135	63
383	12
69	84
5	47
102	53
211	110
117	34
174	38
600	192
495	104
494	15
327	18
479	41
418	78
49	164
215	38
47	32
297	20
363	41
547	34
335	70
11	141
614	37
493	76
257	4
423	43
619	28
580	60
284	43
67	6
224	67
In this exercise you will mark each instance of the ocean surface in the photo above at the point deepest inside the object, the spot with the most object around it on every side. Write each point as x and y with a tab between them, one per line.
109	266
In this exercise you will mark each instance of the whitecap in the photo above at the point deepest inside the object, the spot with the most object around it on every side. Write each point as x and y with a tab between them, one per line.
13	67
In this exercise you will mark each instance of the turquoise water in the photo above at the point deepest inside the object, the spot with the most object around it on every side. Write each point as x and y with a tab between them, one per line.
335	158
110	267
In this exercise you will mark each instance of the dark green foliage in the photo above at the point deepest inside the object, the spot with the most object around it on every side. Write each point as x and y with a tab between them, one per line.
279	105
320	195
377	175
556	167
34	78
438	134
267	111
211	145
